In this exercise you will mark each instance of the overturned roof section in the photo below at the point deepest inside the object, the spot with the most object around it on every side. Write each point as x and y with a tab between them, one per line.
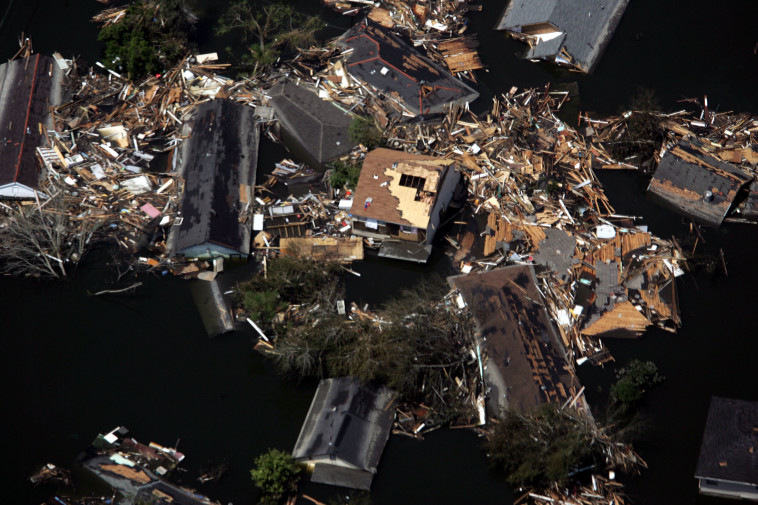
345	432
382	60
319	126
527	363
28	88
696	183
573	32
397	187
730	442
218	165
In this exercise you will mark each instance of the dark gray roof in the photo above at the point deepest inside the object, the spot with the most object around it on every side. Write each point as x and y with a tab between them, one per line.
220	155
730	442
607	291
556	252
347	424
26	89
687	172
319	126
588	25
384	61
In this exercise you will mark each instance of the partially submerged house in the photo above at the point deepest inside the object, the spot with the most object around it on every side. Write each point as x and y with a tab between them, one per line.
218	164
393	68
317	127
136	471
345	432
728	462
573	33
29	87
527	364
697	184
400	199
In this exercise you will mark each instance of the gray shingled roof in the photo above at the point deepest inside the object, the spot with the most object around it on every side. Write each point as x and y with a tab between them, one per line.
730	442
687	172
347	424
588	25
319	126
391	66
556	251
220	155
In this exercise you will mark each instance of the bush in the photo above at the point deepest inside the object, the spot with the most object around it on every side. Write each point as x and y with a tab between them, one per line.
363	130
276	474
633	380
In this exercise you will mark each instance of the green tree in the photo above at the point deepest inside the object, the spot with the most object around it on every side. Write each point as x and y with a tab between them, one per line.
151	37
270	26
276	474
633	380
363	130
541	448
344	174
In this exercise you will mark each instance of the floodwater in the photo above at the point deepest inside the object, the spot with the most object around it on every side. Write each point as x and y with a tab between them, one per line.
74	365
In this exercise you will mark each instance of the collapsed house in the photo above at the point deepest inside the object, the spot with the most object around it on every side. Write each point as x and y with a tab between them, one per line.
526	362
399	73
316	127
573	33
400	200
136	471
218	164
28	88
345	431
728	463
697	184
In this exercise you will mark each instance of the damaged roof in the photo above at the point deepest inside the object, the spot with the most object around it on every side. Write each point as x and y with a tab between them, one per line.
586	25
384	61
730	442
27	90
696	183
520	339
347	425
219	161
397	187
319	126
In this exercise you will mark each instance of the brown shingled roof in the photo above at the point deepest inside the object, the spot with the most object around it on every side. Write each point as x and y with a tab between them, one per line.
379	186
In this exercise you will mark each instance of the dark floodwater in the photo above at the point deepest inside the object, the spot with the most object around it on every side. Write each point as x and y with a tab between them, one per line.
74	365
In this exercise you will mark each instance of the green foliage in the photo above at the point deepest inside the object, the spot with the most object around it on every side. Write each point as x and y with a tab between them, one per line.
540	448
363	130
633	380
270	27
416	349
276	474
288	280
152	36
344	174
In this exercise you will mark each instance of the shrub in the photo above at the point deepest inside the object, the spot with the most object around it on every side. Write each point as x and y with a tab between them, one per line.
276	474
633	380
363	130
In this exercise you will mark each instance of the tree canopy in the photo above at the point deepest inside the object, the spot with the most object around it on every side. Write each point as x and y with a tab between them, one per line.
268	27
276	474
152	36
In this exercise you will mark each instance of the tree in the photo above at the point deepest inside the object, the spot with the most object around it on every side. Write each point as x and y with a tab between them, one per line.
363	130
276	474
344	174
151	36
633	380
541	448
270	26
42	239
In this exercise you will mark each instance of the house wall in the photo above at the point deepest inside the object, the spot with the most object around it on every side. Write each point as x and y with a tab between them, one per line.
448	182
728	489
